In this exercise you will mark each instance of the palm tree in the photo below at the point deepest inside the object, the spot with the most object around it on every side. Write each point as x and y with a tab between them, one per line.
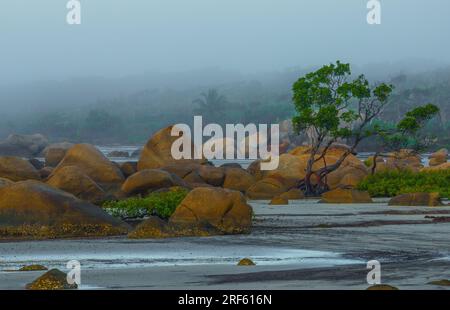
211	104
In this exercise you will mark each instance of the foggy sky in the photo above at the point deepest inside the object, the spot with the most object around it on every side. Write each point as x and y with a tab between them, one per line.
125	37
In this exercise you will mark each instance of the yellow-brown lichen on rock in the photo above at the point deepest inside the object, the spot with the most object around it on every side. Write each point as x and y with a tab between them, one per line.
382	287
53	279
226	210
31	209
246	262
341	195
156	228
33	268
417	199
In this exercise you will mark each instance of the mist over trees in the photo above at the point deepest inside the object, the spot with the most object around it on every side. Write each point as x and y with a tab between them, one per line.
128	110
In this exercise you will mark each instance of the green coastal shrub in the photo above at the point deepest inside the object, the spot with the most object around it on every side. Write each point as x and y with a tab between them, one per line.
161	204
392	183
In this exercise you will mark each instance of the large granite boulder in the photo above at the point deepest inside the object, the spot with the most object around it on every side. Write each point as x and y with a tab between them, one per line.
238	179
72	180
404	159
148	180
416	199
440	167
225	210
292	166
438	158
54	153
17	169
212	175
341	195
266	188
89	160
31	209
157	151
23	145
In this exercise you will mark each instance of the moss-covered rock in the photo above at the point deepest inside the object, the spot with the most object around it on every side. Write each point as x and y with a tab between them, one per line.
51	280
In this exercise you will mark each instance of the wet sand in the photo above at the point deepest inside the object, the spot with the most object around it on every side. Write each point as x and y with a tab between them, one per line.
305	245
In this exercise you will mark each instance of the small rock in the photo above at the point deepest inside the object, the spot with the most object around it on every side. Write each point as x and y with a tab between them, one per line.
278	200
51	280
443	282
293	194
341	195
382	287
156	228
416	199
33	268
246	262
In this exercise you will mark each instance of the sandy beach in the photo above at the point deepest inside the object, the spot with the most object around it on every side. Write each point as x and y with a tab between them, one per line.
305	245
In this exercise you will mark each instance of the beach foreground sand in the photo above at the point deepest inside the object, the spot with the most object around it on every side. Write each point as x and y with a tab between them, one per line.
304	245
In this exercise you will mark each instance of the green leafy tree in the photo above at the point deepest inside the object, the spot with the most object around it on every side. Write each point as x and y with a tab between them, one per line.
407	134
333	106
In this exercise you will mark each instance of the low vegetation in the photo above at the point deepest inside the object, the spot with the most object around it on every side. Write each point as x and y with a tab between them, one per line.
161	204
392	183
